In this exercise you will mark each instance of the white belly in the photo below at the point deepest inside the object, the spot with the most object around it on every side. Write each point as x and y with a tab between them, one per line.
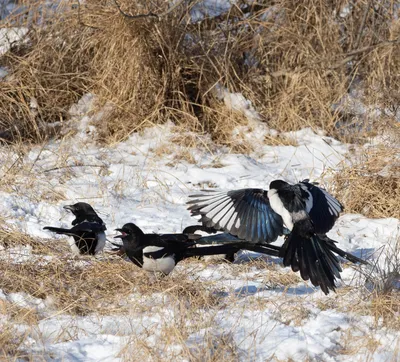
101	242
163	265
277	206
75	250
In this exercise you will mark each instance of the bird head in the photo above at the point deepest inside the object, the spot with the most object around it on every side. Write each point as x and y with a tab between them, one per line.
80	208
277	184
128	232
83	212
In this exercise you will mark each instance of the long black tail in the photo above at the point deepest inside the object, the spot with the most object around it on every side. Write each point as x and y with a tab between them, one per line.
313	258
58	230
210	250
229	239
331	245
232	248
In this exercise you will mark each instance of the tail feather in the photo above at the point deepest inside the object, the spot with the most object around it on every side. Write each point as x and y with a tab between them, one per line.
210	250
352	258
313	258
232	248
58	230
262	249
229	239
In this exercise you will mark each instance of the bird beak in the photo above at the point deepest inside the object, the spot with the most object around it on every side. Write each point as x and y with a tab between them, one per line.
123	234
69	207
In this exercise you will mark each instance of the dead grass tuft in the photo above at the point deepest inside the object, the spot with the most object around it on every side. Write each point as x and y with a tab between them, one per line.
354	341
10	341
385	308
371	185
11	237
217	347
379	293
180	288
292	314
75	288
294	62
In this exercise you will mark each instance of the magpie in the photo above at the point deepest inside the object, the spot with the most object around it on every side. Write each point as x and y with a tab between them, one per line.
303	212
160	253
88	229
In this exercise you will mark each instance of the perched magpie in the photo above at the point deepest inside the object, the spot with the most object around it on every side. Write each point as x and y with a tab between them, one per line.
304	212
87	231
160	253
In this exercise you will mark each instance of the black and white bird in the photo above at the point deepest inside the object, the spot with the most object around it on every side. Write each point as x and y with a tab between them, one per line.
88	229
160	253
304	212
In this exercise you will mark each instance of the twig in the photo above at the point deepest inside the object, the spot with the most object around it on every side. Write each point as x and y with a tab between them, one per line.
352	55
362	25
71	166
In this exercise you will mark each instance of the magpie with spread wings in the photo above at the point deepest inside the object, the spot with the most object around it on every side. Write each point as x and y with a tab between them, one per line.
303	212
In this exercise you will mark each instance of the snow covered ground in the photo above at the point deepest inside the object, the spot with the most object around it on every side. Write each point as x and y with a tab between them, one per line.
146	179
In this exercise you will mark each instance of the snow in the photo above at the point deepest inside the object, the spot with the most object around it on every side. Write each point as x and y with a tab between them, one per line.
131	182
209	8
9	37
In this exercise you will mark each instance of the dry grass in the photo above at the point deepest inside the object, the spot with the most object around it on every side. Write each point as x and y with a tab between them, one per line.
371	185
87	286
293	61
10	342
74	288
378	293
11	237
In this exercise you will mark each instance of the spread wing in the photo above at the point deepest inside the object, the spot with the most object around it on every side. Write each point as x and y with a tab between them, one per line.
325	208
245	213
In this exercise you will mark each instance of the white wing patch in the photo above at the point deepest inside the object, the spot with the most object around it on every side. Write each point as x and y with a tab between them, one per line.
220	208
334	205
152	249
310	200
277	206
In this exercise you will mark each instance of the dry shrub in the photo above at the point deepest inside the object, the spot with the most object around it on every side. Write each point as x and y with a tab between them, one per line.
311	57
371	185
293	60
49	73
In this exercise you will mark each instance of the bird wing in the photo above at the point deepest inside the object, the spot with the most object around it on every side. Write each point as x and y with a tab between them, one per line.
87	226
325	208
245	213
89	219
